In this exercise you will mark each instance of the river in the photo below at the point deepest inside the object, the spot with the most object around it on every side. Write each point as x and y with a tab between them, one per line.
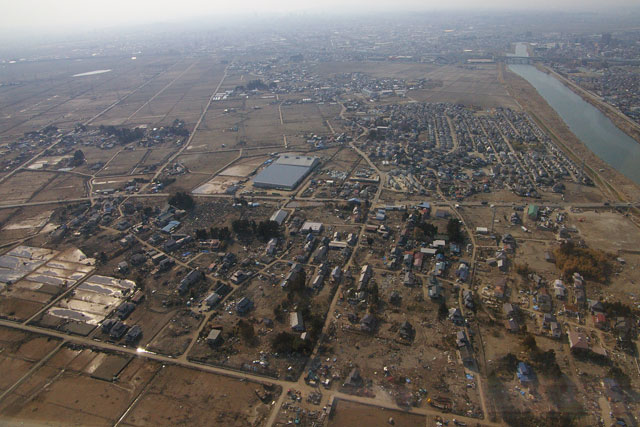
586	122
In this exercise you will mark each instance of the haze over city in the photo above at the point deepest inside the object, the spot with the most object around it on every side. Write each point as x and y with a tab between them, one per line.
33	17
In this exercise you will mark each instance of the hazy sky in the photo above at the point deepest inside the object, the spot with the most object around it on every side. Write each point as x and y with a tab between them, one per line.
43	16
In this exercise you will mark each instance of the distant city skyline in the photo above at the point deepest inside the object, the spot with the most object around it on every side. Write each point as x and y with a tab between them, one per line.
37	17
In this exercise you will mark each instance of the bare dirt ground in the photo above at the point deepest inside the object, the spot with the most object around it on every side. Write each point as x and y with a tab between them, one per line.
351	414
67	390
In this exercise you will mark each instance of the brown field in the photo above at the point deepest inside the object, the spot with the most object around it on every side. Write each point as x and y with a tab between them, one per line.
477	86
179	396
22	186
20	351
64	186
123	163
50	93
608	231
66	390
206	162
347	413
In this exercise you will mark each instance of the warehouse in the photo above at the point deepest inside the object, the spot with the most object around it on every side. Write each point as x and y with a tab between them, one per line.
286	173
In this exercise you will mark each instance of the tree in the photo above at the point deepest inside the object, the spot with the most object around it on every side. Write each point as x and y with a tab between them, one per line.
428	229
374	297
298	282
243	226
443	312
268	229
220	233
182	200
529	342
245	330
454	231
286	343
278	313
201	234
78	158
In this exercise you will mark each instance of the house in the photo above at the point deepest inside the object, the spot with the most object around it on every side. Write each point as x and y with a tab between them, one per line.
440	267
578	341
556	330
466	354
395	298
559	289
467	299
134	334
214	337
461	339
547	318
189	280
512	325
311	227
212	300
612	390
429	251
222	289
500	288
368	323
417	260
463	271
596	306
571	310
123	267
508	309
336	274
239	276
244	305
525	374
321	254
317	281
296	322
600	321
365	275
456	316
434	289
272	246
107	325
353	379
279	216
409	279
544	300
118	330
406	330
138	297
172	225
125	309
408	259
439	243
157	258
138	259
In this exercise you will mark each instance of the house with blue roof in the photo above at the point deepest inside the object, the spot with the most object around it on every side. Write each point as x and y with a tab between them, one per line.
525	374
